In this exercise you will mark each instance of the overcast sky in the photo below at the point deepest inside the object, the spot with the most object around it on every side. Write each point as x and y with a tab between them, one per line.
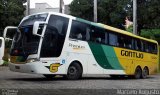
53	3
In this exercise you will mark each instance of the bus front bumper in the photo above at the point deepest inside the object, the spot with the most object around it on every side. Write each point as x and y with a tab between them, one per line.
34	68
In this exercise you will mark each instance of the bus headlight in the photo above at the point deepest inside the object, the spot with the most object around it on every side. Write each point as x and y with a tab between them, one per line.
32	60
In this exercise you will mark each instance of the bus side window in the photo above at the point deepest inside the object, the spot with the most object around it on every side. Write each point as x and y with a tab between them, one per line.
145	46
138	45
121	41
98	35
98	40
88	30
78	30
153	48
128	42
79	36
113	40
106	38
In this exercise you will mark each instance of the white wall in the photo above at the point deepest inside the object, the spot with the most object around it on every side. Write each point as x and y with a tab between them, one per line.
43	7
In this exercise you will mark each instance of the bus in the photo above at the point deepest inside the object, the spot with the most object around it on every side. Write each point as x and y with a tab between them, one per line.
58	44
1	50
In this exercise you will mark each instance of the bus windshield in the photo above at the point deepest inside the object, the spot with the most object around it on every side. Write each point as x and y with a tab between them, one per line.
54	36
24	42
31	19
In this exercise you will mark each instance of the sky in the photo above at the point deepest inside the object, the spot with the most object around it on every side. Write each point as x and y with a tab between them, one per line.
53	3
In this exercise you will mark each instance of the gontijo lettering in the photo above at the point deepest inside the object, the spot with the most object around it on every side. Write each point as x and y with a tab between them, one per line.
132	54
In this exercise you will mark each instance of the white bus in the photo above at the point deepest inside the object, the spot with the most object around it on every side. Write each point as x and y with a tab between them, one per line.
1	50
58	44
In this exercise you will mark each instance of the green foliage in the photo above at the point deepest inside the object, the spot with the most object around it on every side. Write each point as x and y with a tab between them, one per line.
11	12
110	12
130	29
82	9
113	12
151	34
149	14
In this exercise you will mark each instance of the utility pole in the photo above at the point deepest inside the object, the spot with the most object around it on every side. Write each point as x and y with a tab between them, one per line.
95	11
60	6
28	7
135	17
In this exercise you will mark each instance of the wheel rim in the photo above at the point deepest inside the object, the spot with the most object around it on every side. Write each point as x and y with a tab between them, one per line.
138	73
72	70
145	73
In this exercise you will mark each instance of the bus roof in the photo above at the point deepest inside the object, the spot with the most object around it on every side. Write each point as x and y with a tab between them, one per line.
116	30
101	25
126	33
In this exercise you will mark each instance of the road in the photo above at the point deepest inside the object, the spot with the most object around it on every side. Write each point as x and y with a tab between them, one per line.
88	84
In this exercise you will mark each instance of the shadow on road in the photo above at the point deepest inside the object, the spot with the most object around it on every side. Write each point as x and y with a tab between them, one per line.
83	78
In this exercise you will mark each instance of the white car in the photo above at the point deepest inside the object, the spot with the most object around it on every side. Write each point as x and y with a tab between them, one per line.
1	50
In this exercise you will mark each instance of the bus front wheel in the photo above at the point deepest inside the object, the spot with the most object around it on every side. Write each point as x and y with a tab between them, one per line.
74	71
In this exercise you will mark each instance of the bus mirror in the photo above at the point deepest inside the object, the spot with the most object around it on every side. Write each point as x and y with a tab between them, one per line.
9	32
36	28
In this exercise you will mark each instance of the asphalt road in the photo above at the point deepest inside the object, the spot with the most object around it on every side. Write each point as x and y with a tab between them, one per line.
21	83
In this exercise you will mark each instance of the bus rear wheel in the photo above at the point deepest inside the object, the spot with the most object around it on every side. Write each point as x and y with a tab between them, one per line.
145	72
74	71
138	73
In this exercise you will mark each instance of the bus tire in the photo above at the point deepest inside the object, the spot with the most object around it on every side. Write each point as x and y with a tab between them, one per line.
49	76
145	72
74	71
138	73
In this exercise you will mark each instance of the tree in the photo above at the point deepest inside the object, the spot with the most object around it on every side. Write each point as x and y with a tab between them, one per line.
148	14
110	12
113	12
11	12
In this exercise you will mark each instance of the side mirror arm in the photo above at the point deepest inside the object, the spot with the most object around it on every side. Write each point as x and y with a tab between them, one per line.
5	30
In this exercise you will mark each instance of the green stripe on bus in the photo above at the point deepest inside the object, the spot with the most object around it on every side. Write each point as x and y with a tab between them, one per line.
112	57
99	55
105	56
82	20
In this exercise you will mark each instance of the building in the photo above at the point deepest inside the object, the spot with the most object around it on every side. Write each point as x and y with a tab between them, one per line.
44	7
